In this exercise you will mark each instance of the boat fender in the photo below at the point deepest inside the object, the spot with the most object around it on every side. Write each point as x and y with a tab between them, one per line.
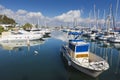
63	54
69	63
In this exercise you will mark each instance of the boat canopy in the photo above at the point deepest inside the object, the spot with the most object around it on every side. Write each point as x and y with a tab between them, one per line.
75	33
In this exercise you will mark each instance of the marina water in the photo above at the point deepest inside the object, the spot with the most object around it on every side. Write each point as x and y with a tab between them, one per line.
41	60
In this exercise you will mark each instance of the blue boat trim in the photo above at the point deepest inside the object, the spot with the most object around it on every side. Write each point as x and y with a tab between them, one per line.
75	40
82	48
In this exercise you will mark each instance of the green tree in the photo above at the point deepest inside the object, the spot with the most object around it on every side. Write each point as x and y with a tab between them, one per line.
27	26
5	20
1	29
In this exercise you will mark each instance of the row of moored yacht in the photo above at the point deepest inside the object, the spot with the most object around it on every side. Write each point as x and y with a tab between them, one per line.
20	34
105	36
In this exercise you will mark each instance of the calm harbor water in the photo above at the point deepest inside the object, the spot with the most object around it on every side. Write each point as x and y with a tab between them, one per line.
41	60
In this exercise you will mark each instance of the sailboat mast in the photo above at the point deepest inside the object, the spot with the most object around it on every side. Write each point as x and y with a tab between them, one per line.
98	18
117	5
38	24
104	15
95	15
109	18
90	19
75	23
112	17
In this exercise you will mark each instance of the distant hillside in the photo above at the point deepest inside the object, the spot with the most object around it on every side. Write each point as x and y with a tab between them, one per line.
5	20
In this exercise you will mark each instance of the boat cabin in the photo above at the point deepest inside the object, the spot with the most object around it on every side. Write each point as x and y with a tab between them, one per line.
79	49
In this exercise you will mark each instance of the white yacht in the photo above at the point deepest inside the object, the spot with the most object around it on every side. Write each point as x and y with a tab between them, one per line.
47	31
19	35
115	39
106	35
36	31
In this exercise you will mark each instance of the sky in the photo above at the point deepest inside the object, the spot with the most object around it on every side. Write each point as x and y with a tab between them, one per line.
55	12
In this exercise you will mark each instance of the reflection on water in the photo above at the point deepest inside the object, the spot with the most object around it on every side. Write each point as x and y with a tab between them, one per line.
41	60
110	52
13	45
60	35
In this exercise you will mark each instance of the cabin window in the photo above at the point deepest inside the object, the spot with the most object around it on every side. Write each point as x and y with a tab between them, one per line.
72	47
82	48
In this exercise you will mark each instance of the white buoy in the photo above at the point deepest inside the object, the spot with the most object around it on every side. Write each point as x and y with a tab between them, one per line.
36	52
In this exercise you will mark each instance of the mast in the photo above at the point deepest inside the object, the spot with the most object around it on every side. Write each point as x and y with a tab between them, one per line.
89	19
38	24
95	15
45	23
117	5
109	19
104	15
98	18
112	18
116	10
75	23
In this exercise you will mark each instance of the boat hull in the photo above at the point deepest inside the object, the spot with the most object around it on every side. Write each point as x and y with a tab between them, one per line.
92	73
114	40
20	36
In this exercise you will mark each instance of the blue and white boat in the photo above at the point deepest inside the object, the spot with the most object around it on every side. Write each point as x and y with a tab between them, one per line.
77	54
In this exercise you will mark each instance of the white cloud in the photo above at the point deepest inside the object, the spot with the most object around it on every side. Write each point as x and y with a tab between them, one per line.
7	12
34	14
69	16
60	36
22	16
1	7
20	11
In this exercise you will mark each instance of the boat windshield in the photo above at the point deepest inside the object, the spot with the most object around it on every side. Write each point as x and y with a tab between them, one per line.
72	47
